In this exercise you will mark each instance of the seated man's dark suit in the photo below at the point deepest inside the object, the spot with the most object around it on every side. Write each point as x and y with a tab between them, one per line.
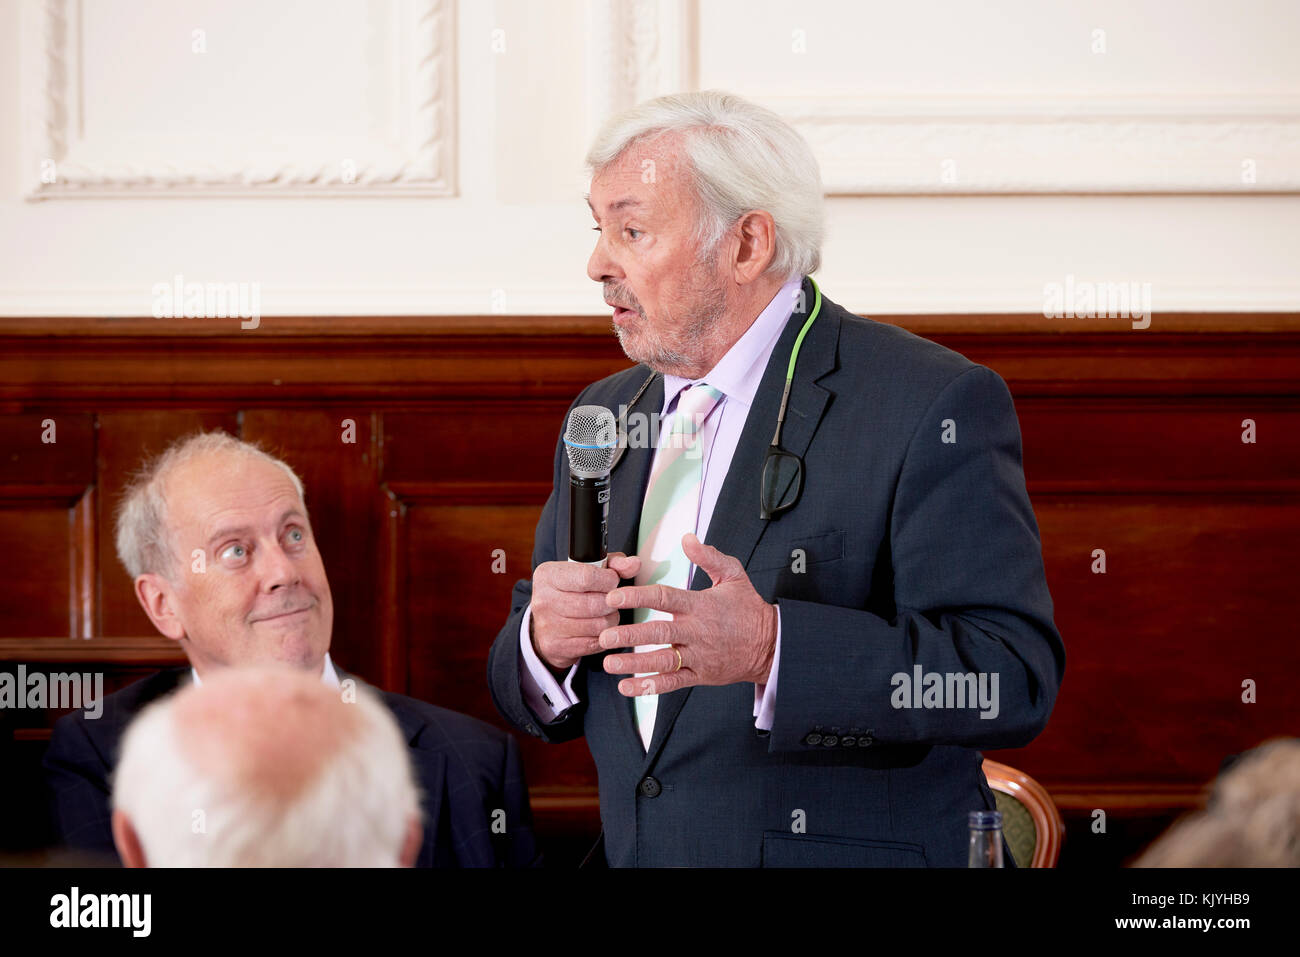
465	770
903	550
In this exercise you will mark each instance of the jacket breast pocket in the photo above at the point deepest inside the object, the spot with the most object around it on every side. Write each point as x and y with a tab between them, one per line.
817	850
798	552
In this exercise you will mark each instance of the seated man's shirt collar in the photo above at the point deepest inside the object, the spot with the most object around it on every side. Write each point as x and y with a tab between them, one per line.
328	676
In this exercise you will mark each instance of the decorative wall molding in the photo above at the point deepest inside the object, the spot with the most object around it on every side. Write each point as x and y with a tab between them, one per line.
1016	143
636	50
1035	144
64	163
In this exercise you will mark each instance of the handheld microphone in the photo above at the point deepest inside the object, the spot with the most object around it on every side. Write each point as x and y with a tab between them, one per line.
590	441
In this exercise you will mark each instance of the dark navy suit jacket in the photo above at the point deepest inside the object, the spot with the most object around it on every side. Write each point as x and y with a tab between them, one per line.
916	551
465	770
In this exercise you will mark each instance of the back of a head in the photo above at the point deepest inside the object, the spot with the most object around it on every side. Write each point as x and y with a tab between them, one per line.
1253	819
267	768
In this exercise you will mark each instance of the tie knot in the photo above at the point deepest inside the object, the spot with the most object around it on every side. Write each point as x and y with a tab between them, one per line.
697	401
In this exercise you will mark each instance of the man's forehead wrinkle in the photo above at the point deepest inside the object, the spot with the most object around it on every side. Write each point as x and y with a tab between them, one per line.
237	516
668	191
193	493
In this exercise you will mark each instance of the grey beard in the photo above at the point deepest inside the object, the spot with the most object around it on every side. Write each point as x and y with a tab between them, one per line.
697	337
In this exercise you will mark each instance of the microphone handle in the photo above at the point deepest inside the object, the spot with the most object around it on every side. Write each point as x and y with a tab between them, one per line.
588	514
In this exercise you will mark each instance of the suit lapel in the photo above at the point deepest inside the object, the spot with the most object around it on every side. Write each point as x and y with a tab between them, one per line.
735	527
632	473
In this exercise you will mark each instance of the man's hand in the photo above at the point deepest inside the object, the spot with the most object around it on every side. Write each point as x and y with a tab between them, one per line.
569	610
726	634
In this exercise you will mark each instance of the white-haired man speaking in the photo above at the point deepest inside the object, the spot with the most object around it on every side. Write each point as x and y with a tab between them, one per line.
259	768
216	537
852	514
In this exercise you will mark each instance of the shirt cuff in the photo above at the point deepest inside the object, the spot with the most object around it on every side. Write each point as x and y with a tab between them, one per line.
542	693
765	694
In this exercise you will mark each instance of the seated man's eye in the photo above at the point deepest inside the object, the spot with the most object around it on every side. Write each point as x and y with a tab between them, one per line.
234	553
296	536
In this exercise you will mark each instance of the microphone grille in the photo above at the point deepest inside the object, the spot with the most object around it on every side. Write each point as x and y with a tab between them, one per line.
590	440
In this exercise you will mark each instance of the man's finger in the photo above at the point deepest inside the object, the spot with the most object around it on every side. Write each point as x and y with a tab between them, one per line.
657	684
574	647
657	632
658	597
574	604
643	662
719	566
626	565
577	577
560	627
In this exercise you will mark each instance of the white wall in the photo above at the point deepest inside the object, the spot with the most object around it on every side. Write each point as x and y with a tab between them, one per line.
424	156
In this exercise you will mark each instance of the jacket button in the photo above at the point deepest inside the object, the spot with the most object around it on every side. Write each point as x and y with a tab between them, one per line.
813	739
649	787
830	741
848	741
865	741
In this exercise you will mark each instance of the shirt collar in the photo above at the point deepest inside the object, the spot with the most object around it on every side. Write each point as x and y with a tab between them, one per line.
738	372
329	676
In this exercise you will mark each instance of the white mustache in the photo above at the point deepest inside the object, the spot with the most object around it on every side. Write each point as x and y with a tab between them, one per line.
621	304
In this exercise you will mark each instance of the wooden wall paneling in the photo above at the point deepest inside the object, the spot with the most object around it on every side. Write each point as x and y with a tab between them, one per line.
83	577
40	595
1193	602
47	479
1169	445
390	514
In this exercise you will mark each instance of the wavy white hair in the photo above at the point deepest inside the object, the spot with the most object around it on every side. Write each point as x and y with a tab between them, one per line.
741	157
354	812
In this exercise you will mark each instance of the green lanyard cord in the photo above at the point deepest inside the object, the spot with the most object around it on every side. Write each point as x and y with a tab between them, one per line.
794	356
794	353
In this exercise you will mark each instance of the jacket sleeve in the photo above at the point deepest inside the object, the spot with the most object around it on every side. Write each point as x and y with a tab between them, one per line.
504	657
77	788
970	599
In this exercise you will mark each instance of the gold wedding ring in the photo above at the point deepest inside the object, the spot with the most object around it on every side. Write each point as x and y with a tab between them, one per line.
679	658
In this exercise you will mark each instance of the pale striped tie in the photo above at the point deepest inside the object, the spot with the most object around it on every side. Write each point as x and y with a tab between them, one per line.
671	509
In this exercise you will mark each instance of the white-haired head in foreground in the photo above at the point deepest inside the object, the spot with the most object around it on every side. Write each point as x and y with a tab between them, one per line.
1253	817
265	768
741	157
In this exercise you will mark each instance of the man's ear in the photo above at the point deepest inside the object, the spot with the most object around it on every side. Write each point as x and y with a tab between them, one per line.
414	837
158	599
756	248
128	843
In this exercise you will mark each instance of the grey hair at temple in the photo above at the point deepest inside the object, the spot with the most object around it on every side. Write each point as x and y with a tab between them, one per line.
741	157
143	538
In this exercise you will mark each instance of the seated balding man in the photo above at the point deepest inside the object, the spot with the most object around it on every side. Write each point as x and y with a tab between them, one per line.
216	538
262	768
